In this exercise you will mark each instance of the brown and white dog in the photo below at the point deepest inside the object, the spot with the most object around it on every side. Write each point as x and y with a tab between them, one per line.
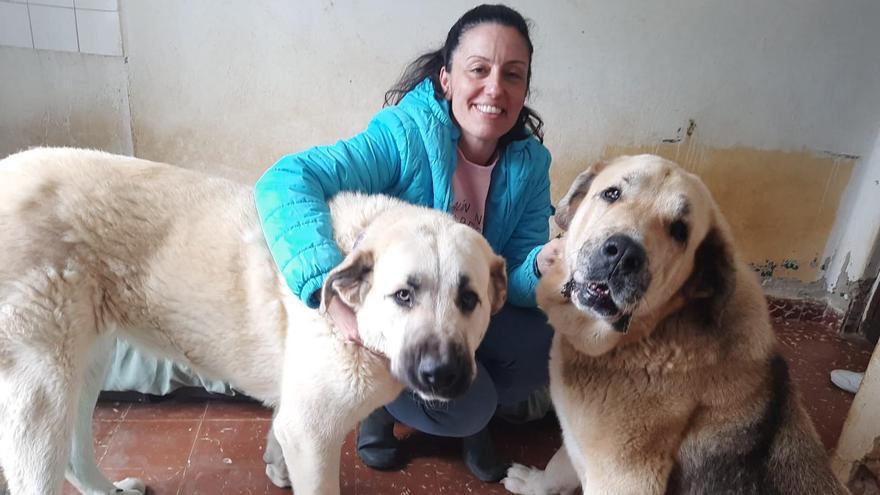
94	245
665	373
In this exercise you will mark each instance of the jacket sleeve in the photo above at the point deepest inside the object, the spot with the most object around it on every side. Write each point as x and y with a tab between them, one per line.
529	236
291	199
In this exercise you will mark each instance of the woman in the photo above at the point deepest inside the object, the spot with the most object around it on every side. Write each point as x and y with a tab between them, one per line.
455	135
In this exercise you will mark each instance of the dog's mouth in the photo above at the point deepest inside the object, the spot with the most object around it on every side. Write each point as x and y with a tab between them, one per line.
608	278
595	298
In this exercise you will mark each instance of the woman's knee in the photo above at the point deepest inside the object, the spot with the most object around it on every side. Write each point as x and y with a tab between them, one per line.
517	352
517	332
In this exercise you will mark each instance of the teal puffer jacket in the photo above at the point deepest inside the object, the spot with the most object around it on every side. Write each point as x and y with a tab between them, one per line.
407	151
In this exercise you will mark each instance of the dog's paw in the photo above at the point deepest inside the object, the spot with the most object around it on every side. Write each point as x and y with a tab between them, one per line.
278	475
525	480
130	486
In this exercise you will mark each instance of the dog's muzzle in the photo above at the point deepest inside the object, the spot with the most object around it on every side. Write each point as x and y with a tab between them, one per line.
610	278
440	370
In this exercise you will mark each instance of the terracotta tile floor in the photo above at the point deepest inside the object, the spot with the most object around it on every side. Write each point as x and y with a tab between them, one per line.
215	447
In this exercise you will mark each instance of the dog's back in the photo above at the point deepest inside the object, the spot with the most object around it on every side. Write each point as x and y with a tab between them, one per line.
95	244
147	247
109	215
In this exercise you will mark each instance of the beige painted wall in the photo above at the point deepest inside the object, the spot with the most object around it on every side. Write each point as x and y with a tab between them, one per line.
781	205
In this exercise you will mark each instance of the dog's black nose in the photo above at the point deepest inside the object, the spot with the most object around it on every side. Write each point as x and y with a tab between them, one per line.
444	373
622	255
437	374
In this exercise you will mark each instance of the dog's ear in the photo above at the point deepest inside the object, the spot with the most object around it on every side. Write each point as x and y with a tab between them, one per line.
569	203
350	280
713	278
497	283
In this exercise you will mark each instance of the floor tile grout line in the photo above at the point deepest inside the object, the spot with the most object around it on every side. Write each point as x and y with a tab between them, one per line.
112	435
109	440
125	412
158	420
262	420
192	449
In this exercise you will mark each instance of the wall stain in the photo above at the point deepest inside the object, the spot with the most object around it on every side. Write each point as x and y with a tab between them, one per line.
692	125
845	156
781	205
790	264
99	127
765	269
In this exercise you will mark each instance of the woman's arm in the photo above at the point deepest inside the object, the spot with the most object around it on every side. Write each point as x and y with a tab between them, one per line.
529	236
291	199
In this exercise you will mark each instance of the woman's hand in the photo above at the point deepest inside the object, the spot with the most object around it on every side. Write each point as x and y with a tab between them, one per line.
344	319
548	255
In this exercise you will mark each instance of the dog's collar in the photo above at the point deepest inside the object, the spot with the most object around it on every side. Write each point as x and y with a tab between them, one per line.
356	340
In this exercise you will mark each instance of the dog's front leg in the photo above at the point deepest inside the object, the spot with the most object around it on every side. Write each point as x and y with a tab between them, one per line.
558	478
313	416
276	468
311	440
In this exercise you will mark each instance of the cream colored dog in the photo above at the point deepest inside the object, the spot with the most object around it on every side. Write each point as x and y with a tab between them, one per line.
664	369
94	245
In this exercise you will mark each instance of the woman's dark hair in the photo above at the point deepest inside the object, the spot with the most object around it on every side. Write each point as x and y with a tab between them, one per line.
428	66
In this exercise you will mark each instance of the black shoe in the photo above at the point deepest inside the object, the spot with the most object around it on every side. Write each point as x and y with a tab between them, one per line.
480	457
376	444
535	407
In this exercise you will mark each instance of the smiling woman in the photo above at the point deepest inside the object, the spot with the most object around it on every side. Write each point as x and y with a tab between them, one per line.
487	86
456	136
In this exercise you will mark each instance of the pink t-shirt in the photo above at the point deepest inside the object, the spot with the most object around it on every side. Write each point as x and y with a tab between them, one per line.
470	186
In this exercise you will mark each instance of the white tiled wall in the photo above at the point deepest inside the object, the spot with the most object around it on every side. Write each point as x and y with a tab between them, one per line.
87	26
53	28
98	31
15	26
108	5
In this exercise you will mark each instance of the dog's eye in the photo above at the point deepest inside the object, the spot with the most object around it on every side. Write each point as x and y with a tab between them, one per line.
468	300
611	194
679	231
404	298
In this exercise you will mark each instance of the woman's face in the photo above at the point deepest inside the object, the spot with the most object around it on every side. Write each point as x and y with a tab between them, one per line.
487	86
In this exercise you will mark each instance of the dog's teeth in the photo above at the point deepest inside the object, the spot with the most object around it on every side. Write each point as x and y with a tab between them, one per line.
598	288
